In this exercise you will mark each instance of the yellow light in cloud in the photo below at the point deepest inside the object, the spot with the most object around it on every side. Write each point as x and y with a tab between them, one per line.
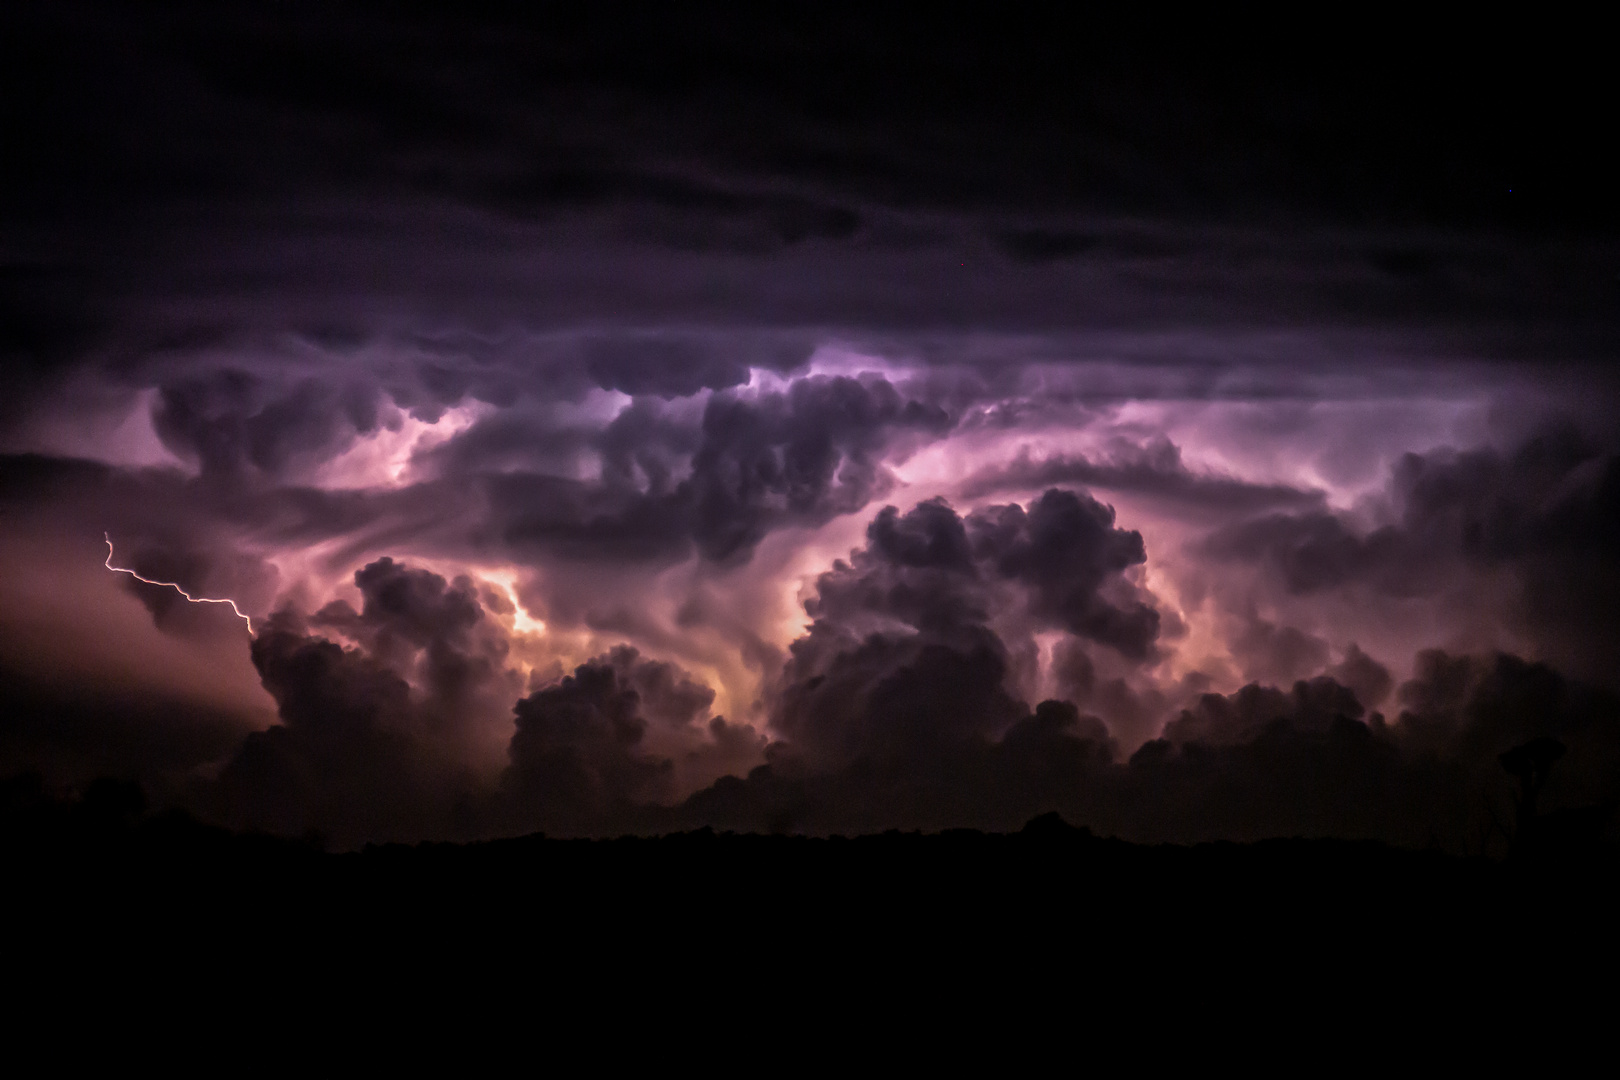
522	621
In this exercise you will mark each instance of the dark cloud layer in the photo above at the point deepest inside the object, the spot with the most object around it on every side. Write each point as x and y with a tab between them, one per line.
230	421
577	756
1260	762
373	738
450	102
349	753
1545	512
901	657
1154	470
1065	549
761	461
1555	496
206	181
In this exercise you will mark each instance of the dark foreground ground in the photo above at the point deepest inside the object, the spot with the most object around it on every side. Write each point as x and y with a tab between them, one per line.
98	886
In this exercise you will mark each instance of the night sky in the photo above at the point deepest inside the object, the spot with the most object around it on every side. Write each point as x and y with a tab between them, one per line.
806	419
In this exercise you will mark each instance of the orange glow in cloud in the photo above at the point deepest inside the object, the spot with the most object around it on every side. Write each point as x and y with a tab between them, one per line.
522	621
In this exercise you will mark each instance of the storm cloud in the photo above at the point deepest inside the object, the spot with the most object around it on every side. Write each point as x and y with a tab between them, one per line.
616	420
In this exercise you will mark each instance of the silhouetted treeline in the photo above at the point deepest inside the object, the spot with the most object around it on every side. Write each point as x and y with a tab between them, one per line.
96	876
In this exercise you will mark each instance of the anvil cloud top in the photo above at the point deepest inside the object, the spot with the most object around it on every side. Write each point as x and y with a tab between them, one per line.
616	417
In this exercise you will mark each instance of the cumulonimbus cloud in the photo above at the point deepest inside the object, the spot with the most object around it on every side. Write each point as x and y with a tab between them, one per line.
689	422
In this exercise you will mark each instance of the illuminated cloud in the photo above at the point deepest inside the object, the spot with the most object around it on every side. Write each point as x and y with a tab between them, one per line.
791	434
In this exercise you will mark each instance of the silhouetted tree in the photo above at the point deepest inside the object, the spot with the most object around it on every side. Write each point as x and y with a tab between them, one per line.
1529	763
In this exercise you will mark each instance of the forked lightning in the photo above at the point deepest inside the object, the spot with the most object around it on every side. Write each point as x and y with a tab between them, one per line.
172	585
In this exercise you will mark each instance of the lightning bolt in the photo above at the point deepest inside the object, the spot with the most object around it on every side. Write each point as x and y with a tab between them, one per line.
169	584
